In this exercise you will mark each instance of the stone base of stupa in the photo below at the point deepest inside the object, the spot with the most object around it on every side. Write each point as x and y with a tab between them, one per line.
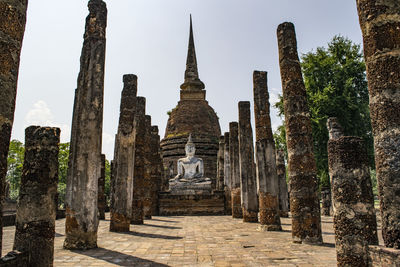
198	203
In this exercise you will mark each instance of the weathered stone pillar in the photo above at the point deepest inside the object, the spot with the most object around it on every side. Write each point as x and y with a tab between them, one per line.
12	28
138	180
111	183
86	135
237	211
124	158
156	171
380	22
248	181
220	162
283	190
149	183
227	176
304	200
36	211
326	201
101	197
268	191
354	216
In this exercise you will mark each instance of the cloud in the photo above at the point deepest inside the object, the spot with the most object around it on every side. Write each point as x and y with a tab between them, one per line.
41	115
108	145
274	96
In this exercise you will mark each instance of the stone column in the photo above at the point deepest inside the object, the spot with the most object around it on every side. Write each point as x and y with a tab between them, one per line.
380	22
248	181
220	163
283	190
354	216
156	172
124	158
101	199
138	180
304	200
227	176
36	210
326	201
268	186
86	135
111	183
149	183
12	28
237	211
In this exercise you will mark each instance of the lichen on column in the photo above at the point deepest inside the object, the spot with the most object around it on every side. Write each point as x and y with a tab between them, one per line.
139	168
12	29
380	23
227	184
248	181
354	213
36	210
124	158
283	189
268	191
302	170
86	135
237	211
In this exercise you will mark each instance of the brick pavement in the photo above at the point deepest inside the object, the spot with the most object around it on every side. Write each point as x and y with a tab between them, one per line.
193	241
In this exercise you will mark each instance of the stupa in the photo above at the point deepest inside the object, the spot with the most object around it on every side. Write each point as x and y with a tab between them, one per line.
193	122
192	116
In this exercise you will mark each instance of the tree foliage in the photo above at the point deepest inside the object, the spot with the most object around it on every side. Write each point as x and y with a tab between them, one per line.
336	85
63	158
15	161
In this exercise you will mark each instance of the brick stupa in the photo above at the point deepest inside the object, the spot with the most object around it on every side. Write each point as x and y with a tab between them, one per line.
193	116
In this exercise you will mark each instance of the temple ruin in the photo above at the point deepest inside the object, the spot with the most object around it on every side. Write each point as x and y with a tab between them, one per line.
159	187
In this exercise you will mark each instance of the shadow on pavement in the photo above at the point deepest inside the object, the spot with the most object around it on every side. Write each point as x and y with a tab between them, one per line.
162	226
152	235
160	220
118	258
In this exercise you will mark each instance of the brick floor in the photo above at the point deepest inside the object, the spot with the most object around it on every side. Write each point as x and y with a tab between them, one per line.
193	241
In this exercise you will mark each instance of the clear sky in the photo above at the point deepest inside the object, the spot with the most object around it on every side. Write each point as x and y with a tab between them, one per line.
149	38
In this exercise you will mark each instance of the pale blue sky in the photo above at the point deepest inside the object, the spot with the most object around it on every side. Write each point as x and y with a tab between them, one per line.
149	38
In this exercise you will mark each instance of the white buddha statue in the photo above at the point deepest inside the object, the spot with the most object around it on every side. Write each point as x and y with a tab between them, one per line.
190	168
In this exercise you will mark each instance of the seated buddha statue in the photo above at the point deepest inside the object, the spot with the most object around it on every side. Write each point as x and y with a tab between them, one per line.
190	168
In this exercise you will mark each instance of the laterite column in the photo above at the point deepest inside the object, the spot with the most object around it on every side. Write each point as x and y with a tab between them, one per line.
304	200
36	210
248	183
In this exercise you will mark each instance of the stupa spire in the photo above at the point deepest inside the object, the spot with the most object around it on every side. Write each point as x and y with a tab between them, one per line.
192	81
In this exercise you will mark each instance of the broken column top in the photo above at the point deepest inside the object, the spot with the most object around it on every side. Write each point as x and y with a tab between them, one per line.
96	22
244	111
287	37
154	129
128	103
140	106
262	106
334	128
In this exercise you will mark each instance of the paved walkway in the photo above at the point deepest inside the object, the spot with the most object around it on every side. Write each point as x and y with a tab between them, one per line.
193	241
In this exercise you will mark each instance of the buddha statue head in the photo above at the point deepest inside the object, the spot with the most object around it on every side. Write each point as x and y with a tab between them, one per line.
190	148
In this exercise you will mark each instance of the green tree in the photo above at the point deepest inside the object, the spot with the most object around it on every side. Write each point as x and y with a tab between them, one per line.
63	158
15	161
336	85
107	186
